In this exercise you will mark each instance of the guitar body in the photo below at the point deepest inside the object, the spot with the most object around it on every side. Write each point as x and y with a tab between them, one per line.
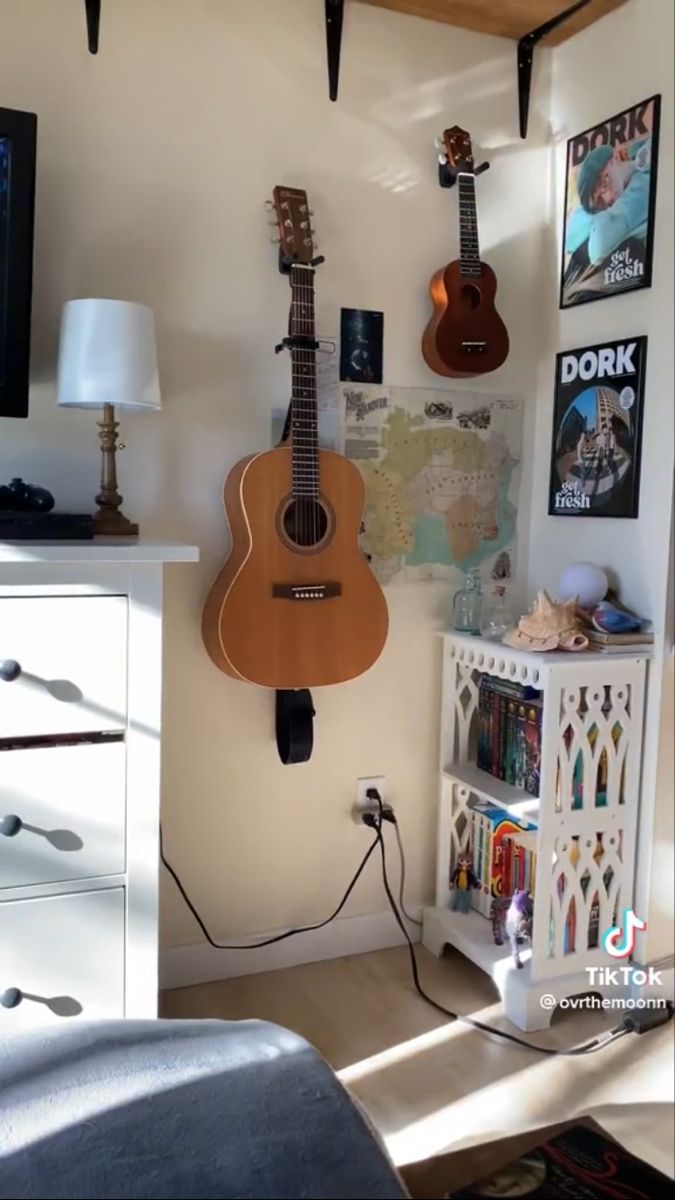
287	615
465	336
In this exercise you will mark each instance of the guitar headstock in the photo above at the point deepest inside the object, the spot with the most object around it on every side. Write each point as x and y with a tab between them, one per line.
458	149
294	227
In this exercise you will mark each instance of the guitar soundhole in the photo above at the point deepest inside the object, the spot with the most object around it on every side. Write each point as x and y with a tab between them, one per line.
471	297
304	522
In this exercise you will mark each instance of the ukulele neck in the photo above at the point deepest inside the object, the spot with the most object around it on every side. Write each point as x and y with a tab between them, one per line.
304	435
469	250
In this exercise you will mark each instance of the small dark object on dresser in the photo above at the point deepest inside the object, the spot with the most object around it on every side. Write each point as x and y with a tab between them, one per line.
45	527
20	497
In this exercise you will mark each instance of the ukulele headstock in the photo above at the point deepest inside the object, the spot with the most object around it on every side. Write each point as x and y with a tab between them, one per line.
295	234
458	150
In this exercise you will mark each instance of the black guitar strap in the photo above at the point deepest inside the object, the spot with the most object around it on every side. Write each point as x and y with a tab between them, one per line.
294	728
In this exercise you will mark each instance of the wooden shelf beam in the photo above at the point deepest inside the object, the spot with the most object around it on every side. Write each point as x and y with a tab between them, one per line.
505	18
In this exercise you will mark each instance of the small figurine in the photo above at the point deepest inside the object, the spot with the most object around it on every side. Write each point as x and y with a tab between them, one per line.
514	918
462	881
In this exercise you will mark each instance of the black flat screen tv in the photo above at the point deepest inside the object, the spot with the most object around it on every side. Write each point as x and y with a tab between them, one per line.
17	205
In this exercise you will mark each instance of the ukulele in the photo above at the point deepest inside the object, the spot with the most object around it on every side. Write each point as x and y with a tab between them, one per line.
465	336
296	605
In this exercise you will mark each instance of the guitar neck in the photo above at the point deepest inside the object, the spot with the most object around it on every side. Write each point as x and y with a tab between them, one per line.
469	249
304	417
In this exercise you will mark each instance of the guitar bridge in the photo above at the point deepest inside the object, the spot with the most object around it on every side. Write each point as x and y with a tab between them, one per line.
475	347
306	591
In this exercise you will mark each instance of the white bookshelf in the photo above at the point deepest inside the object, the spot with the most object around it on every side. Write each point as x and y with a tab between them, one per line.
593	712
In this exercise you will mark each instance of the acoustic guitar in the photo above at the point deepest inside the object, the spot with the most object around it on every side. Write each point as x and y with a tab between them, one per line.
296	604
465	336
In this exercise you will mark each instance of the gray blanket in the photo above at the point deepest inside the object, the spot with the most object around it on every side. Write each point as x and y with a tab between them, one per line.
156	1110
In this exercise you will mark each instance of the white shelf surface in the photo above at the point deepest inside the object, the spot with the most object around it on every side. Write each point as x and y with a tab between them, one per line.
100	550
471	933
516	801
543	659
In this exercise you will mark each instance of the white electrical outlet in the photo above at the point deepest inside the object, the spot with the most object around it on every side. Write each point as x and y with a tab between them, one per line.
363	802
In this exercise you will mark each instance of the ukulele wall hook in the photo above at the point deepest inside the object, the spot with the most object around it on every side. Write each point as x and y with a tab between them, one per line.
447	173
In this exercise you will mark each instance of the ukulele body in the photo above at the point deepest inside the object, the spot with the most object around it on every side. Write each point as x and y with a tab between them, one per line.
296	604
465	336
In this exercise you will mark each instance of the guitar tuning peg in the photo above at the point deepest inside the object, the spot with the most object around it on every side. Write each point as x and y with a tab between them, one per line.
275	240
443	160
269	205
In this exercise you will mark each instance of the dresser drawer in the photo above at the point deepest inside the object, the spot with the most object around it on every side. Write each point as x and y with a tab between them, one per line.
64	659
62	813
60	957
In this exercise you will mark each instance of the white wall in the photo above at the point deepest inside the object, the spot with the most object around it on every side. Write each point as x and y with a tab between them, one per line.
154	162
620	60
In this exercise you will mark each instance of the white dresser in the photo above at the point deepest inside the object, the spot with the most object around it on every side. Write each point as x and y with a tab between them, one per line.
80	735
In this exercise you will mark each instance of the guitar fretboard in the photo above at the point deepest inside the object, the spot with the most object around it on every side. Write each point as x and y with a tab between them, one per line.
304	423
469	250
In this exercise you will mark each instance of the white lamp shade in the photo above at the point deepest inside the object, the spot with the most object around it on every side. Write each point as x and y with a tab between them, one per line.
108	355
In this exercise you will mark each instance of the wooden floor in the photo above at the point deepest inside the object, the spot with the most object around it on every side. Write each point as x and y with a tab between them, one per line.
432	1085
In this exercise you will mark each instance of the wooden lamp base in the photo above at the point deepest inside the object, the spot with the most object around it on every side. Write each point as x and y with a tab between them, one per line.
109	520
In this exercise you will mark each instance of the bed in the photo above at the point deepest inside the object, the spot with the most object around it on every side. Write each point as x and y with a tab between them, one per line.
167	1109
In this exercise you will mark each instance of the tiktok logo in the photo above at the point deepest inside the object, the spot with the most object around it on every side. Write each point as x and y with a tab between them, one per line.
619	941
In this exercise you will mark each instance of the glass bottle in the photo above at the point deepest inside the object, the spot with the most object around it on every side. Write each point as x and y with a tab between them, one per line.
467	606
497	618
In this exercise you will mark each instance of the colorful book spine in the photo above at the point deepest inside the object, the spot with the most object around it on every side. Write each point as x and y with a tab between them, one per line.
496	732
510	747
509	733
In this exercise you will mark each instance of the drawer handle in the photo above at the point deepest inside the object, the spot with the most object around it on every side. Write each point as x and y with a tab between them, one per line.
10	670
60	1006
11	997
10	825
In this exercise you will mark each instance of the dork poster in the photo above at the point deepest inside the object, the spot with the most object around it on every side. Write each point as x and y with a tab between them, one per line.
610	195
597	430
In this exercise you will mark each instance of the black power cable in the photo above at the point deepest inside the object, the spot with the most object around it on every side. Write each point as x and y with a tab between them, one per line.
595	1044
375	822
613	1035
279	937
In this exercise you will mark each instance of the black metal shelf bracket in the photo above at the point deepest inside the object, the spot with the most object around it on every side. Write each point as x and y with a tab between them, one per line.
335	11
526	47
93	15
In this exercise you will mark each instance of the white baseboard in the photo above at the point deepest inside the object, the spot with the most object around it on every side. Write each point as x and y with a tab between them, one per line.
182	966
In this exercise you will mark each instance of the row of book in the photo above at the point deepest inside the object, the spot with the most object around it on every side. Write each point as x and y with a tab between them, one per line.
509	732
504	854
504	850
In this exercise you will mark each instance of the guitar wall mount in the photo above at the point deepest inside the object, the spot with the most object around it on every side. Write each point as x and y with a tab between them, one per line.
447	175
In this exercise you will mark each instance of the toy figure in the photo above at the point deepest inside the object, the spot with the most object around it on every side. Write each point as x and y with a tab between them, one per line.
461	882
514	918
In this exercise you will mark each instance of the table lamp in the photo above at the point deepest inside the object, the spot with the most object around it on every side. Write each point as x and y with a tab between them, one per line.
108	360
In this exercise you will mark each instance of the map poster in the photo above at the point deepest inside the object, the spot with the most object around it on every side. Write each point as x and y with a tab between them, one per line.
441	470
597	430
610	196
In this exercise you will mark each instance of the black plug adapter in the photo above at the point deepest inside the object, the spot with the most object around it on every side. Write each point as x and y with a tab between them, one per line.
649	1018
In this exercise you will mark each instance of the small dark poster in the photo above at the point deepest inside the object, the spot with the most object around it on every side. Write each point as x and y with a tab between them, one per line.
597	430
610	194
361	340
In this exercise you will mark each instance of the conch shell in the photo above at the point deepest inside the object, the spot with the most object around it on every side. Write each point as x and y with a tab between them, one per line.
548	626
